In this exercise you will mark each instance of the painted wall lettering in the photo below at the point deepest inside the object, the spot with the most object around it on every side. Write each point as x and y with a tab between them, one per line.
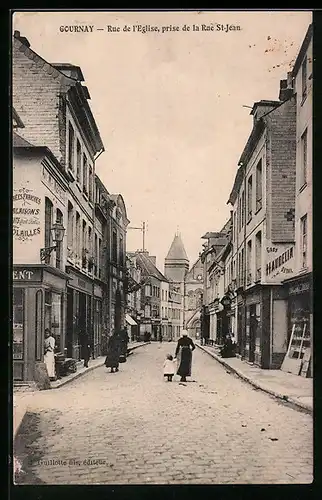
276	263
25	214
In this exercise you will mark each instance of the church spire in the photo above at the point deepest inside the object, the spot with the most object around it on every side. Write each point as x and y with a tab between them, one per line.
177	251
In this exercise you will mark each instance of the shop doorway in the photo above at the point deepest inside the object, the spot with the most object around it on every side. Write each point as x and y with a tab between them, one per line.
70	322
252	332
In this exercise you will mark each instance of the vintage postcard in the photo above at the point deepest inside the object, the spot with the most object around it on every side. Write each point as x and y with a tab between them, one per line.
162	247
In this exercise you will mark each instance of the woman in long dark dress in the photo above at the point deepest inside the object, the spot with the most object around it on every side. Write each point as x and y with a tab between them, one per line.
113	353
184	349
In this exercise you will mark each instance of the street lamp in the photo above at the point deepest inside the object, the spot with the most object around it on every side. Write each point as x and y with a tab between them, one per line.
58	231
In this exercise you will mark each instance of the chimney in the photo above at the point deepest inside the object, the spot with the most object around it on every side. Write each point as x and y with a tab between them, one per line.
21	39
262	107
286	88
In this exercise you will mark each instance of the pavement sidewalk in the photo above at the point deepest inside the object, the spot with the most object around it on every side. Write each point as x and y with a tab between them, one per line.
22	400
285	386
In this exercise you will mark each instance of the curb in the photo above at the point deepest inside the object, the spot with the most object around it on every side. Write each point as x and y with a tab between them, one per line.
277	395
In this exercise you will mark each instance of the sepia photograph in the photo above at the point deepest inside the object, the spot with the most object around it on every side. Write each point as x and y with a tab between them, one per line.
162	297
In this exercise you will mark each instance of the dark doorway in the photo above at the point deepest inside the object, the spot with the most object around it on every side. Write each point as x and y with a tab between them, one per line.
70	322
252	332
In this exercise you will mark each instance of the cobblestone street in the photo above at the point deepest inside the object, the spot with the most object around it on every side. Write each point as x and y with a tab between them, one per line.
214	429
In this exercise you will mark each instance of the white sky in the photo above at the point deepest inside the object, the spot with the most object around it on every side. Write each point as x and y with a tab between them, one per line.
169	106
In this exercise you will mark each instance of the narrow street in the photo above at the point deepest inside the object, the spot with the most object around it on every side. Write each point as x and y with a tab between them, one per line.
133	427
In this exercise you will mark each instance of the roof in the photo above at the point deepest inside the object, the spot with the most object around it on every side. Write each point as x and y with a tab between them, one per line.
177	250
77	92
302	51
147	266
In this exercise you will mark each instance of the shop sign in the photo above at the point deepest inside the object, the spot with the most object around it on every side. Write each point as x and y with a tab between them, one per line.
25	214
27	274
280	265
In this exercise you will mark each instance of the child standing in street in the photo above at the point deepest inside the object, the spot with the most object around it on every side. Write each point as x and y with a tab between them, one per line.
169	367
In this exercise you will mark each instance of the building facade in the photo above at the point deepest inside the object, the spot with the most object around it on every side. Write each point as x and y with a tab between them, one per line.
69	233
263	199
299	287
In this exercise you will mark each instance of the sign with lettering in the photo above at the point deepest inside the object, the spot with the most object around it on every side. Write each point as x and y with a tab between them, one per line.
26	274
26	214
280	261
53	185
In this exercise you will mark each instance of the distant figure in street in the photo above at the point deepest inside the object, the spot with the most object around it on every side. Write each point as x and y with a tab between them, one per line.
124	340
160	337
113	353
184	349
49	356
85	348
169	367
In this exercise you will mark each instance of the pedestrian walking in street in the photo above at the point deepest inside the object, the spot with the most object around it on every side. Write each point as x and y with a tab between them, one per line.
85	348
49	356
160	337
124	340
183	353
113	353
169	367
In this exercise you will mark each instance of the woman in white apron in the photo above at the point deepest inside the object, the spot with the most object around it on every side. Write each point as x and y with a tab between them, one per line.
49	357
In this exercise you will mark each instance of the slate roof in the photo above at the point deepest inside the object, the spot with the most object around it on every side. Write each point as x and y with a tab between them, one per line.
177	250
148	268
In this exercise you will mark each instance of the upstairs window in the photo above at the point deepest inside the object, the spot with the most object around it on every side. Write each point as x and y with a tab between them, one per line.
304	78
249	198
79	161
259	185
48	225
59	244
304	241
114	246
71	140
303	164
85	174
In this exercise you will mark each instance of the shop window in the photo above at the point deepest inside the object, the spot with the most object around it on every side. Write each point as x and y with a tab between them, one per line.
18	322
304	241
38	322
59	219
48	225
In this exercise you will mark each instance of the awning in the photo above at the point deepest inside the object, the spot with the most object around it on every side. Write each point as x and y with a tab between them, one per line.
130	320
